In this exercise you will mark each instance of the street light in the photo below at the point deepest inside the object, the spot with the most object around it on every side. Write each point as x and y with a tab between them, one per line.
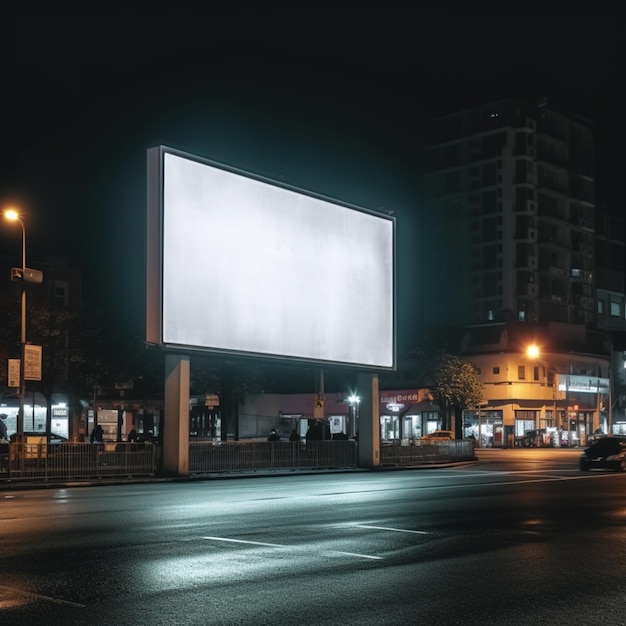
13	216
354	405
534	352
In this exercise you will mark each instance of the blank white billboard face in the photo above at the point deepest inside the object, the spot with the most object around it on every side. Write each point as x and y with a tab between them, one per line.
237	264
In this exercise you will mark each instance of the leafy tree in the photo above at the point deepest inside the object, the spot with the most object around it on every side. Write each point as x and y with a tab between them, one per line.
92	359
82	355
10	346
456	388
232	379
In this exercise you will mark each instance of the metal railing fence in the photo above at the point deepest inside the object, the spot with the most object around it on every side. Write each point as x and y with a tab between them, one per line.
207	456
425	452
77	460
86	460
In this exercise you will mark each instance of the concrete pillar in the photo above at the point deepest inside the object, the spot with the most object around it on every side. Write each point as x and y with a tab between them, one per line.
369	421
175	436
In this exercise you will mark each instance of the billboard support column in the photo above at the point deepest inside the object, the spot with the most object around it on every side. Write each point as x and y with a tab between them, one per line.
369	421
175	436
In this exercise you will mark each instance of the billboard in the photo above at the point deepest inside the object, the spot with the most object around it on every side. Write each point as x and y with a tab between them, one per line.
243	265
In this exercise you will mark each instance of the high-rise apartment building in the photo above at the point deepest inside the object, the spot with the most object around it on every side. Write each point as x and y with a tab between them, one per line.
509	199
514	251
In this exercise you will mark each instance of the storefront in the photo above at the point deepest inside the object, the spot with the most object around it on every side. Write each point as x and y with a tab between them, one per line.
407	414
486	427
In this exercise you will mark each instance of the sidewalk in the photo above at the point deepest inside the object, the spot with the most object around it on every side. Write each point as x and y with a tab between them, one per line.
60	483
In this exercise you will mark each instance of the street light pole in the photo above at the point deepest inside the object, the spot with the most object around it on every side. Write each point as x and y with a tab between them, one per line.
354	409
13	216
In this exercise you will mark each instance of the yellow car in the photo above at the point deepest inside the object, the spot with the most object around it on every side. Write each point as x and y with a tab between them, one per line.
439	435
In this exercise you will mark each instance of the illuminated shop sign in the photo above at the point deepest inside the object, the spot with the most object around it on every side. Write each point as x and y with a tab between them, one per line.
583	384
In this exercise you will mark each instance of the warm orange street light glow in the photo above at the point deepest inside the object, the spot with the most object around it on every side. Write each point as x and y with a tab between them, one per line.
532	351
12	215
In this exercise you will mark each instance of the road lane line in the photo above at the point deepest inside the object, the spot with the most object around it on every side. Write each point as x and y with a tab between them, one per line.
41	597
253	543
278	545
361	556
395	530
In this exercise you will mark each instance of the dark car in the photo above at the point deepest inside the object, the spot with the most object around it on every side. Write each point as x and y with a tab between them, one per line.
605	453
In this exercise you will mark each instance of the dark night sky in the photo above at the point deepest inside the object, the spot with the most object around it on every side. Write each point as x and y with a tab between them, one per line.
331	101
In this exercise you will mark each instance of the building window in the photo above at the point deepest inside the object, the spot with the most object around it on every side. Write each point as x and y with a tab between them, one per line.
59	293
600	307
615	312
495	370
521	372
536	372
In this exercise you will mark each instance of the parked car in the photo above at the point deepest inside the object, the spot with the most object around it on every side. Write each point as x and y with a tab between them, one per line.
533	439
605	453
439	435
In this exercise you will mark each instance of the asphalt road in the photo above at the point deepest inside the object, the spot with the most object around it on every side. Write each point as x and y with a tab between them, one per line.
521	537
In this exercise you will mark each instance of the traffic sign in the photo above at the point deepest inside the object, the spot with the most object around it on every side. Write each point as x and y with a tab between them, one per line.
14	372
32	362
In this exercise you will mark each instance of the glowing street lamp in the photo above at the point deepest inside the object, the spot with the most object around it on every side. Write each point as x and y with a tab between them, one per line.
534	352
354	401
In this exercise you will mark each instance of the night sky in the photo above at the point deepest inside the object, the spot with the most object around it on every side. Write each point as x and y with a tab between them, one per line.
330	101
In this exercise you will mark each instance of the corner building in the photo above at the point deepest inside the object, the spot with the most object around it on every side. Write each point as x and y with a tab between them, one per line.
509	239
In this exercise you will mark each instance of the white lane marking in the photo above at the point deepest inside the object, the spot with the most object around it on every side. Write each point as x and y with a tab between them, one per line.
395	530
548	479
362	556
254	543
278	545
42	597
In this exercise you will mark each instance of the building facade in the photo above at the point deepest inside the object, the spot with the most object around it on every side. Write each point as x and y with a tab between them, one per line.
509	192
550	380
405	414
610	261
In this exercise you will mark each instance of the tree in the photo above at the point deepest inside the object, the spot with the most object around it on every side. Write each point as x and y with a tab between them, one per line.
456	388
232	378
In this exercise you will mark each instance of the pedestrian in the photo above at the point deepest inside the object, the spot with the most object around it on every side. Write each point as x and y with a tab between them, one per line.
97	434
295	435
315	432
4	434
274	436
132	436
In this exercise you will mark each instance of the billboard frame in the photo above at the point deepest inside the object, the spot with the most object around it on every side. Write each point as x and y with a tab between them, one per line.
155	263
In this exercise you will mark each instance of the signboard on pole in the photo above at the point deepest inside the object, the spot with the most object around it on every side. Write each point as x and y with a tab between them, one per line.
211	400
32	362
318	408
14	372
